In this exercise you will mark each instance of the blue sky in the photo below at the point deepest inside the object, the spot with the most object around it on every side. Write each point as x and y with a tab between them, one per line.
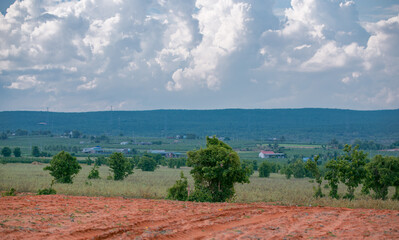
90	55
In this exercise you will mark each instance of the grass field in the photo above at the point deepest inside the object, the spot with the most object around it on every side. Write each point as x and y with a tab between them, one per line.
29	178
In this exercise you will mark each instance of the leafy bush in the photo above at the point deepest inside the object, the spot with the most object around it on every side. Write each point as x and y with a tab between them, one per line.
94	174
179	190
17	152
63	167
120	166
100	160
264	169
89	161
35	151
6	151
201	194
147	164
381	173
248	166
10	192
215	171
298	169
46	191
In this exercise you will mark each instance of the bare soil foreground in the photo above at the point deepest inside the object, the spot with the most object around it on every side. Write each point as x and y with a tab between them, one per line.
74	217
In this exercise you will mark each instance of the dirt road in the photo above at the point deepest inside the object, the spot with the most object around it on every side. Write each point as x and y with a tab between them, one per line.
74	217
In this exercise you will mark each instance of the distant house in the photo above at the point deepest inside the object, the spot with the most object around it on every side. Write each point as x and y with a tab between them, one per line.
93	150
99	150
271	154
124	143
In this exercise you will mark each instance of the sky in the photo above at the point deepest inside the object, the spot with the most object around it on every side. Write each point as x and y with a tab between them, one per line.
94	55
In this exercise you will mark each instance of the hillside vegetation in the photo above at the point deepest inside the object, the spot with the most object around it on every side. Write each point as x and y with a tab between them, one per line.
296	125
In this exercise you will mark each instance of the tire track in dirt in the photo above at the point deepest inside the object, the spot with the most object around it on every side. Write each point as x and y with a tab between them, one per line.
73	217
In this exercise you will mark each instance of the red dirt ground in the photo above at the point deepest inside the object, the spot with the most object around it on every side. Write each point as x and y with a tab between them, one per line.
72	217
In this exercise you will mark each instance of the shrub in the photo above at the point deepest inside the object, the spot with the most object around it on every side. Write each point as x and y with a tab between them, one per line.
17	152
89	161
10	192
201	194
6	151
63	167
35	151
94	174
179	190
46	191
248	166
100	160
298	169
147	164
381	173
265	169
120	166
215	171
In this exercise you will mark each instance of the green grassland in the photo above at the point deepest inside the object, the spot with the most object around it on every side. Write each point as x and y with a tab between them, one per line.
276	189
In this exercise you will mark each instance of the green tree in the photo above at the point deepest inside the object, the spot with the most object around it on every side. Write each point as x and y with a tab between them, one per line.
311	166
147	164
298	169
247	164
265	169
3	136
255	165
287	171
63	167
76	134
215	171
120	166
179	191
35	151
351	170
6	151
381	172
17	152
100	161
332	176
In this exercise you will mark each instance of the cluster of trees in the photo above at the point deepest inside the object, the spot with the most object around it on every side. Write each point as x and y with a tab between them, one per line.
176	162
368	145
353	169
296	169
98	139
37	153
266	168
64	167
41	132
6	152
73	149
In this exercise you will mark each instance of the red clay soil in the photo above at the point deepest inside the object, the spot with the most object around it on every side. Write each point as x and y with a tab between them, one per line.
71	217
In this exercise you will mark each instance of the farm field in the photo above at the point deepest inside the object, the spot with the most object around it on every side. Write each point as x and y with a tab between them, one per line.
79	217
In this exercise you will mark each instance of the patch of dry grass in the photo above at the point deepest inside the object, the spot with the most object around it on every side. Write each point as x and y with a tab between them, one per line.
277	189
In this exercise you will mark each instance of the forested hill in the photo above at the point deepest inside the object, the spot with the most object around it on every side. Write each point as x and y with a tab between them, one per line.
301	125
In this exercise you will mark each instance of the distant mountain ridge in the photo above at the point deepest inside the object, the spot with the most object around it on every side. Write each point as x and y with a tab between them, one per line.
300	125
